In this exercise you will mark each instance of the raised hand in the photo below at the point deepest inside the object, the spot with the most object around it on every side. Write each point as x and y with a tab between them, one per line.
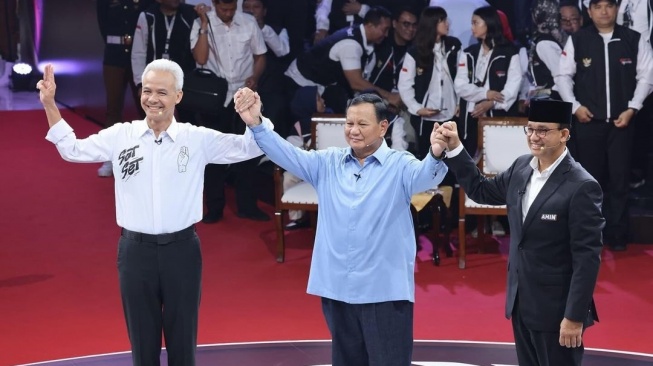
248	105
47	86
438	141
450	131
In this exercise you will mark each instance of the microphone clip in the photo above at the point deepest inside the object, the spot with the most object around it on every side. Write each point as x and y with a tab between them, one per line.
159	141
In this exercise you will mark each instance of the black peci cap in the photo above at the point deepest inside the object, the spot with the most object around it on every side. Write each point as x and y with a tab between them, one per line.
550	111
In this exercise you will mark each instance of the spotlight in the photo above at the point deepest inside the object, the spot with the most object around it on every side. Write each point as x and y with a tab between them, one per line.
21	76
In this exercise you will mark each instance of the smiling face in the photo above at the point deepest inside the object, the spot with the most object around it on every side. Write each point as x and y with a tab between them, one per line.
362	130
405	26
159	96
548	140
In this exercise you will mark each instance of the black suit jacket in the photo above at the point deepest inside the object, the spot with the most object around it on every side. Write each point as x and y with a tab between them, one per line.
555	250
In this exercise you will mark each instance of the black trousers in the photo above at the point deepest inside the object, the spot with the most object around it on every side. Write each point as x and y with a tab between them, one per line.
535	348
244	172
160	279
377	334
605	152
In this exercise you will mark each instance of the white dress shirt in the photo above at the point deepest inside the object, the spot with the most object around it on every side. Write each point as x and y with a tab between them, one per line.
158	186
232	55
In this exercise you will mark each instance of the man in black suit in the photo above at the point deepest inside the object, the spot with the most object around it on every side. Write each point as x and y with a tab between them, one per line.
554	210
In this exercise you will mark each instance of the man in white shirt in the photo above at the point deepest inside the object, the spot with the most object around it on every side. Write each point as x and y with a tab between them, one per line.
158	165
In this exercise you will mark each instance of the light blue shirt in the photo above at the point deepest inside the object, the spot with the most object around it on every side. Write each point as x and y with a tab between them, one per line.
365	242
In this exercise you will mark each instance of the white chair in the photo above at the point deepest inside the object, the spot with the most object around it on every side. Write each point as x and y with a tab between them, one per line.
501	140
327	130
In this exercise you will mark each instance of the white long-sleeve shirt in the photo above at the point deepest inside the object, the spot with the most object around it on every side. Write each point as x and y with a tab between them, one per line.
278	43
158	186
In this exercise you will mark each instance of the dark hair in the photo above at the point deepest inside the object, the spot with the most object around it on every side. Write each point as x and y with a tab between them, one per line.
427	30
380	107
494	35
572	4
375	14
405	9
224	1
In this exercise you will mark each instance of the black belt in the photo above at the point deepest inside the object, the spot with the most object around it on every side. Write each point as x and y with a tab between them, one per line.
160	238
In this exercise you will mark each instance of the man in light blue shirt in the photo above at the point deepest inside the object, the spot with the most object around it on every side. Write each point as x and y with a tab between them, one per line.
364	256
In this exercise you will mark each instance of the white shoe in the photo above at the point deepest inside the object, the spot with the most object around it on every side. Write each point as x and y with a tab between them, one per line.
106	170
497	229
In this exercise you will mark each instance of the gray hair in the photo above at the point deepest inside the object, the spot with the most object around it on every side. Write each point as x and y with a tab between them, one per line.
166	65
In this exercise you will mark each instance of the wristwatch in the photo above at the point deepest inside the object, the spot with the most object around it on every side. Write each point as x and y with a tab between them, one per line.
634	109
203	31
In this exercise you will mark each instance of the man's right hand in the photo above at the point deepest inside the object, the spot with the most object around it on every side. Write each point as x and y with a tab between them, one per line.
201	10
47	86
583	114
450	131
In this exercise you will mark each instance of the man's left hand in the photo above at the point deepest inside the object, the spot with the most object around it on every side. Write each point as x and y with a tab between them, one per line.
439	142
571	333
248	105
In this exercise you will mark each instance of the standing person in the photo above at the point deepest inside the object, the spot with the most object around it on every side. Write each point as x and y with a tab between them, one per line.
117	21
544	52
489	76
605	71
163	31
159	165
364	257
426	81
554	209
230	44
571	21
459	13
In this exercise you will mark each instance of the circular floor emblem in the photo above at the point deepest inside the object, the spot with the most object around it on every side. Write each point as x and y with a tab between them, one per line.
318	353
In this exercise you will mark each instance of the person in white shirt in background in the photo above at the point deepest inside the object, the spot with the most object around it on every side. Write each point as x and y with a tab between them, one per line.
427	76
158	164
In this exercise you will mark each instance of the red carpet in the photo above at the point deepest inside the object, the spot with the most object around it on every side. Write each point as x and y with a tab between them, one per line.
59	290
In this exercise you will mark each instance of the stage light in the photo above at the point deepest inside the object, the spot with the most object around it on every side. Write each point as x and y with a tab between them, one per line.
21	77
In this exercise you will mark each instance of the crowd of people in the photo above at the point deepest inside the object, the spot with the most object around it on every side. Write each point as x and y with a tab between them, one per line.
412	90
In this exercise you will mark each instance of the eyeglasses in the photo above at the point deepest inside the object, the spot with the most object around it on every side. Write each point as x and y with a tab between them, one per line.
569	21
407	24
540	132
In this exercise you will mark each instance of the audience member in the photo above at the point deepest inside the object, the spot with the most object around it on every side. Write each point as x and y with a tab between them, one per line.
489	76
230	44
117	21
607	86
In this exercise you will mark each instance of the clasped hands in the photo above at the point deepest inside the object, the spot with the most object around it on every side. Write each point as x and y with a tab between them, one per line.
444	137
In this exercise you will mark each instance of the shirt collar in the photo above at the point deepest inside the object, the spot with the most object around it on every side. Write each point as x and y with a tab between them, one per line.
381	154
546	172
369	49
141	128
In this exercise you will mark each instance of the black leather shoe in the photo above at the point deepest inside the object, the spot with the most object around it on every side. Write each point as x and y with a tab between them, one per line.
212	218
256	215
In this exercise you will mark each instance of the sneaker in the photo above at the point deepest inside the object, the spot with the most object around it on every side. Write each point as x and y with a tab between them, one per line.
497	229
297	224
106	170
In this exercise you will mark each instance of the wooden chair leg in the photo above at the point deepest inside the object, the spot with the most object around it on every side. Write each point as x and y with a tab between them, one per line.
281	247
461	241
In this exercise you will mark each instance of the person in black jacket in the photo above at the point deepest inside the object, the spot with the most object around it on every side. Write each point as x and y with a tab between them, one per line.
606	93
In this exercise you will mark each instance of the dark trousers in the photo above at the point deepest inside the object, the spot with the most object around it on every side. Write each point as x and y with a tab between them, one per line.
116	80
377	334
536	348
244	172
160	280
605	152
